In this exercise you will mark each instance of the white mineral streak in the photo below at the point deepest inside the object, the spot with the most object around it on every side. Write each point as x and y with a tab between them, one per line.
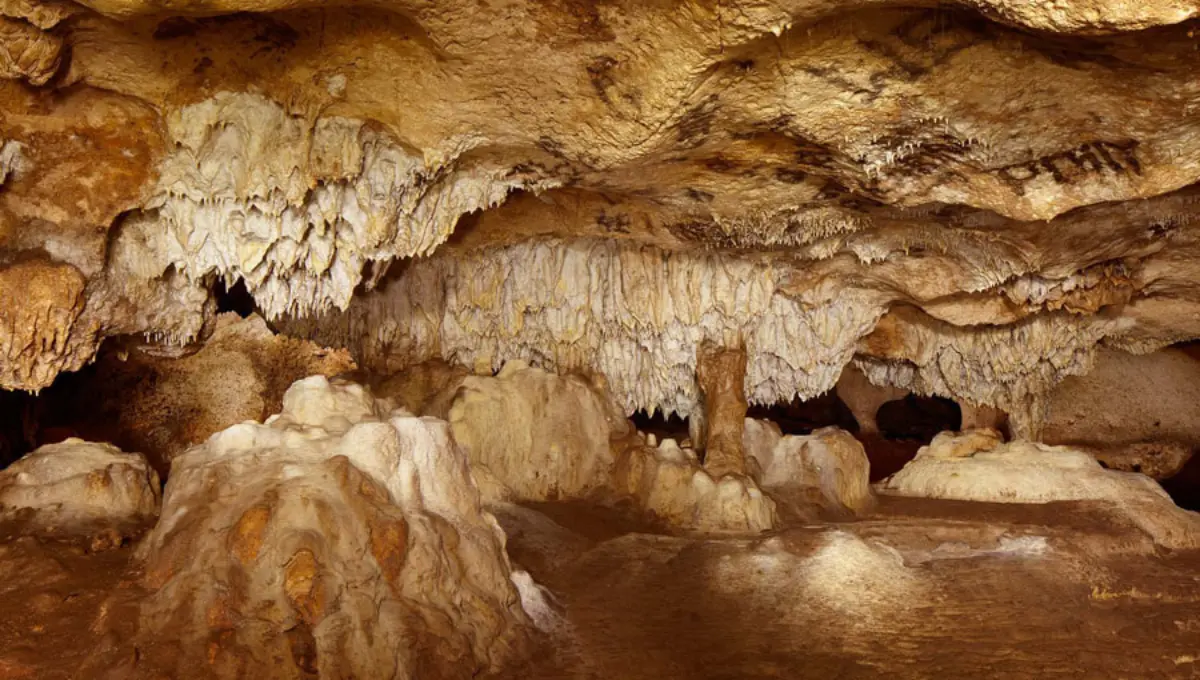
11	160
297	208
635	314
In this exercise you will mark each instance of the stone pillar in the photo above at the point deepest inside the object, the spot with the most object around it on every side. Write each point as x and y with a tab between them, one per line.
864	398
721	373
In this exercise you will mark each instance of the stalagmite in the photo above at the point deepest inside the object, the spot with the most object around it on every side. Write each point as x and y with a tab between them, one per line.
828	468
352	544
539	435
668	483
536	436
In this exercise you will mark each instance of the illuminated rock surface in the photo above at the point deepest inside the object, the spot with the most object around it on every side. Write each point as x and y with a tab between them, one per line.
588	238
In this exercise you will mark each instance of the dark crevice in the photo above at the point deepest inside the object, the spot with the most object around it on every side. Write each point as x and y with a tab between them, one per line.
802	417
660	425
919	419
235	298
18	425
1184	487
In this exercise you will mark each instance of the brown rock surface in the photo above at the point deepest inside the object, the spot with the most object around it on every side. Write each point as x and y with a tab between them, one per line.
163	405
721	373
1131	410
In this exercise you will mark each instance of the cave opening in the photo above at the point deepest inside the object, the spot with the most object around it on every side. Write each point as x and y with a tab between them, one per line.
86	403
235	298
661	425
902	427
801	416
919	419
1184	486
17	426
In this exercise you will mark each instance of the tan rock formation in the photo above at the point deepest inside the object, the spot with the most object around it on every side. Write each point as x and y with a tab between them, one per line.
976	466
697	205
541	436
667	482
164	405
536	436
41	333
78	487
355	545
1131	410
864	399
721	373
828	468
158	148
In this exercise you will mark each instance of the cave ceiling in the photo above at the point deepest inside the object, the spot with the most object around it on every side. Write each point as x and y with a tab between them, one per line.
964	199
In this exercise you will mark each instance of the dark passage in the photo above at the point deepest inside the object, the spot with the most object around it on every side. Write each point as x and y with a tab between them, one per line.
661	425
802	417
234	298
916	418
1184	487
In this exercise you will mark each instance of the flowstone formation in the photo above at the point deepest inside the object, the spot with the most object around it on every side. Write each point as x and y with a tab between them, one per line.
535	436
977	466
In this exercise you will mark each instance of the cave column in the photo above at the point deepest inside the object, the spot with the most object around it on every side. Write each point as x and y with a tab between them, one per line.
864	398
721	373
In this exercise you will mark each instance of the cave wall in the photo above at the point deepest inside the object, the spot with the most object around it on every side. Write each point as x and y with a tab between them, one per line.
964	200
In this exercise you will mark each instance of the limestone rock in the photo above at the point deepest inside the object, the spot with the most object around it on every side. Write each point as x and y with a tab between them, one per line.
721	373
635	315
1130	402
423	388
828	467
540	435
236	198
778	174
163	405
334	539
78	487
668	483
1156	460
975	466
41	332
536	436
864	398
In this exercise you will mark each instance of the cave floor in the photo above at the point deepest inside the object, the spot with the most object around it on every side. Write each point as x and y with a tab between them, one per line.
921	589
918	589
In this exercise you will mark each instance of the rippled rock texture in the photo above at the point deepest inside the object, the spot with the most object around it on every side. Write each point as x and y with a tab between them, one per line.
965	201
